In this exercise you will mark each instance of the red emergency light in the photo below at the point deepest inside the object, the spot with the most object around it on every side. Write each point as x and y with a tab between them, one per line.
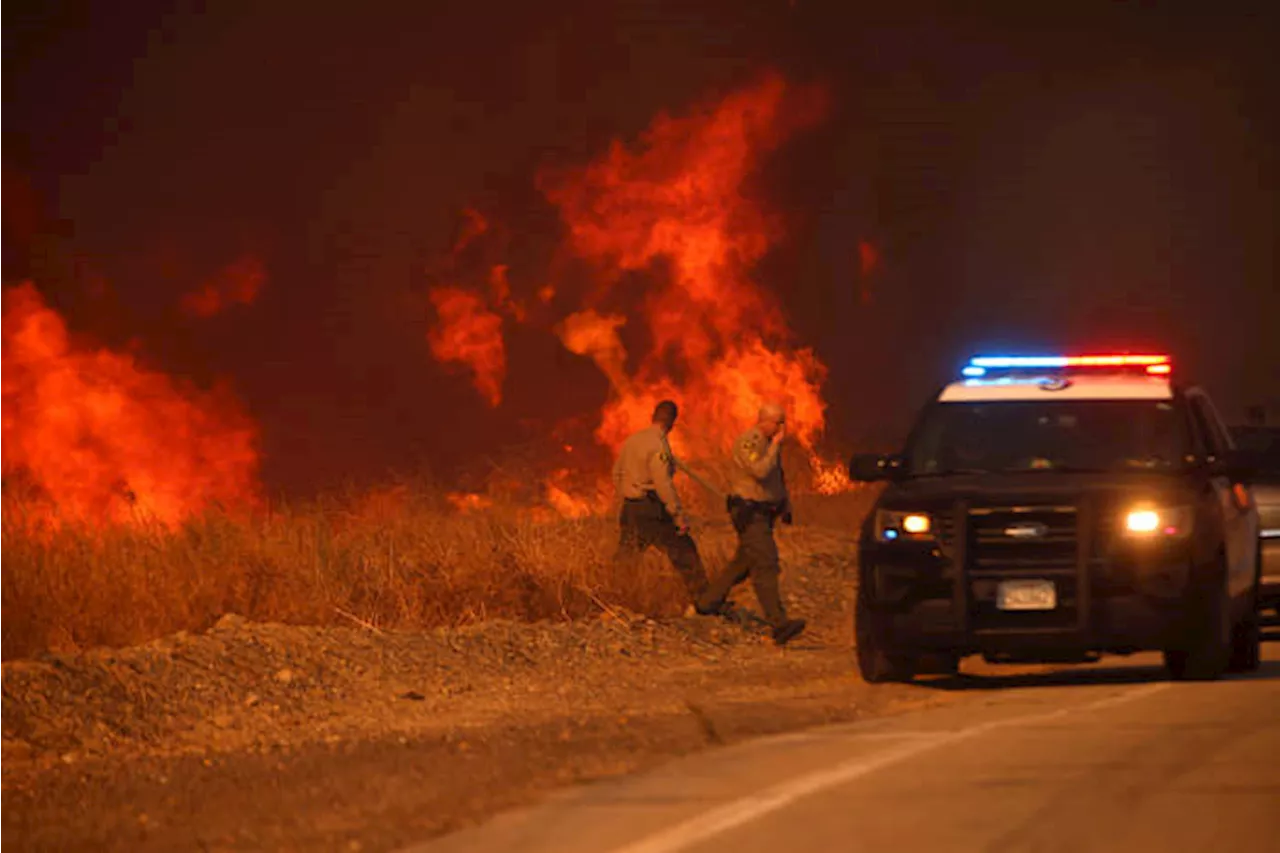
1158	365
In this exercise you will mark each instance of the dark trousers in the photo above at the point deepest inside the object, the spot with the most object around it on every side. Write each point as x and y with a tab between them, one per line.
645	522
756	558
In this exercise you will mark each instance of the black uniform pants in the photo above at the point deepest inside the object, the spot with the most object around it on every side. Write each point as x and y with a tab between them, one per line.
645	522
755	558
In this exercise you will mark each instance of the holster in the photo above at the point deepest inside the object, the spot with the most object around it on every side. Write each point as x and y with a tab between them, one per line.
741	510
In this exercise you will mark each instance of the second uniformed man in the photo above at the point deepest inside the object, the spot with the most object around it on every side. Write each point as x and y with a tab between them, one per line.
651	513
758	500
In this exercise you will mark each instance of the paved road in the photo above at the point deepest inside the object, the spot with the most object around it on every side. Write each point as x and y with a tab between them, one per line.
1108	757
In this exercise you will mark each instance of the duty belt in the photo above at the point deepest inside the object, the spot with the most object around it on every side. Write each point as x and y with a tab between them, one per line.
737	503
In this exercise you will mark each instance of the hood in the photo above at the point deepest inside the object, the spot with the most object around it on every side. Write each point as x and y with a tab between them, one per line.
1034	487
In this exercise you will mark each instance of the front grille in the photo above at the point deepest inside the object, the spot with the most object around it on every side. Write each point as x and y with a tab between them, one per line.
1023	543
946	529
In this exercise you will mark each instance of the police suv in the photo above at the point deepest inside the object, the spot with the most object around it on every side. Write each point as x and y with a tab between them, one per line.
1054	509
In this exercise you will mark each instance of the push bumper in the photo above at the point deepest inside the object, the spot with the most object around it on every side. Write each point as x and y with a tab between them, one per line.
1119	624
925	603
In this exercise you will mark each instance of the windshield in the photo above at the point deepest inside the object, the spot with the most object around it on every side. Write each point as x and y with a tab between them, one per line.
1088	435
1263	440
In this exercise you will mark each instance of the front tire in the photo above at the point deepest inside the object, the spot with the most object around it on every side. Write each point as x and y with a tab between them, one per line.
1208	645
1246	639
877	663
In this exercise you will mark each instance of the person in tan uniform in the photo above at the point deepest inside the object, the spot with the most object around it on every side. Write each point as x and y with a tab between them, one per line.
651	512
758	498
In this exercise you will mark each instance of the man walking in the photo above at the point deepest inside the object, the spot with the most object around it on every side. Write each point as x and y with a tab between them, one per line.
757	500
651	512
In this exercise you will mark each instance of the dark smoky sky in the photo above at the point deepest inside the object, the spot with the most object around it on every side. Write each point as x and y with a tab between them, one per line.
1085	175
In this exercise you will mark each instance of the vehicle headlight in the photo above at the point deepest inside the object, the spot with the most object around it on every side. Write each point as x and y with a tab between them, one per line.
1149	522
897	524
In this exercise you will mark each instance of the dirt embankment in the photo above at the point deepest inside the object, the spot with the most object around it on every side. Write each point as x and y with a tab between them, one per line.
254	736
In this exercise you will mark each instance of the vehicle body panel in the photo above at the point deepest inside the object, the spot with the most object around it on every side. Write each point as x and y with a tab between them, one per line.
1265	487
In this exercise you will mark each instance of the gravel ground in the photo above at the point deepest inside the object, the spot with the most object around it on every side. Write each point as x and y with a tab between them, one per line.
263	736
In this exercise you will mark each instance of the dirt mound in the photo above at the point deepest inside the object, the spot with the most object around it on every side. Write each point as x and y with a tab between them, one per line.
254	735
244	684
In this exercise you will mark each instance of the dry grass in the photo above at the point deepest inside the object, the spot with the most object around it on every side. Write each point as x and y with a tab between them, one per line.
400	558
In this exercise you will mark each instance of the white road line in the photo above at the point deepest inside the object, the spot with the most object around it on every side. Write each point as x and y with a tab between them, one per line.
746	809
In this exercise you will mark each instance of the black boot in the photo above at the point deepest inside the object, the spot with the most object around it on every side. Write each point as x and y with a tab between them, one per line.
711	608
787	631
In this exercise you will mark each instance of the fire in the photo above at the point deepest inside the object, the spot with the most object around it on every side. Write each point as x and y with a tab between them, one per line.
105	439
830	478
675	211
719	345
590	334
237	283
468	501
501	289
564	503
470	333
473	225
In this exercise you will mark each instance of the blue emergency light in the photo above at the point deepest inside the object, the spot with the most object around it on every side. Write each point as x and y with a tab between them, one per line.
982	365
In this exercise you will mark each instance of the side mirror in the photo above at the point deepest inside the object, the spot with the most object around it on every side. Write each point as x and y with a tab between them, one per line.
874	467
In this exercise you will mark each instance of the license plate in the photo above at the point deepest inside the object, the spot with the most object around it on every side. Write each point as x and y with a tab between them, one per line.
1026	595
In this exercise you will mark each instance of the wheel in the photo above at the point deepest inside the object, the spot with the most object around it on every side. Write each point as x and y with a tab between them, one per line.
1246	646
1208	644
943	663
1246	639
876	663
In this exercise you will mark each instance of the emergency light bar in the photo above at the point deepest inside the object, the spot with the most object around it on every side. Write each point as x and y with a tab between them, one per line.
980	365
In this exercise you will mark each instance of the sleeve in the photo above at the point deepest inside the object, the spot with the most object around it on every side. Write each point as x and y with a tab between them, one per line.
756	462
660	471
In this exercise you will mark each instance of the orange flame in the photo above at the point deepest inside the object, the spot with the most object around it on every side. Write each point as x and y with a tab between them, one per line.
595	336
104	439
502	292
470	333
830	478
237	283
563	502
468	501
473	225
674	208
719	343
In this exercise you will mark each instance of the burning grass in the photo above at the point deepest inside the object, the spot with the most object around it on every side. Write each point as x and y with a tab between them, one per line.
102	435
402	558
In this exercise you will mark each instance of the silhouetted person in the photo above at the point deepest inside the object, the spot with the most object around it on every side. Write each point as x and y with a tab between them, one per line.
651	513
757	500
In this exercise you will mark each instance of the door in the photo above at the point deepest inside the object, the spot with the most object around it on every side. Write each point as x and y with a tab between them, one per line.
1239	516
